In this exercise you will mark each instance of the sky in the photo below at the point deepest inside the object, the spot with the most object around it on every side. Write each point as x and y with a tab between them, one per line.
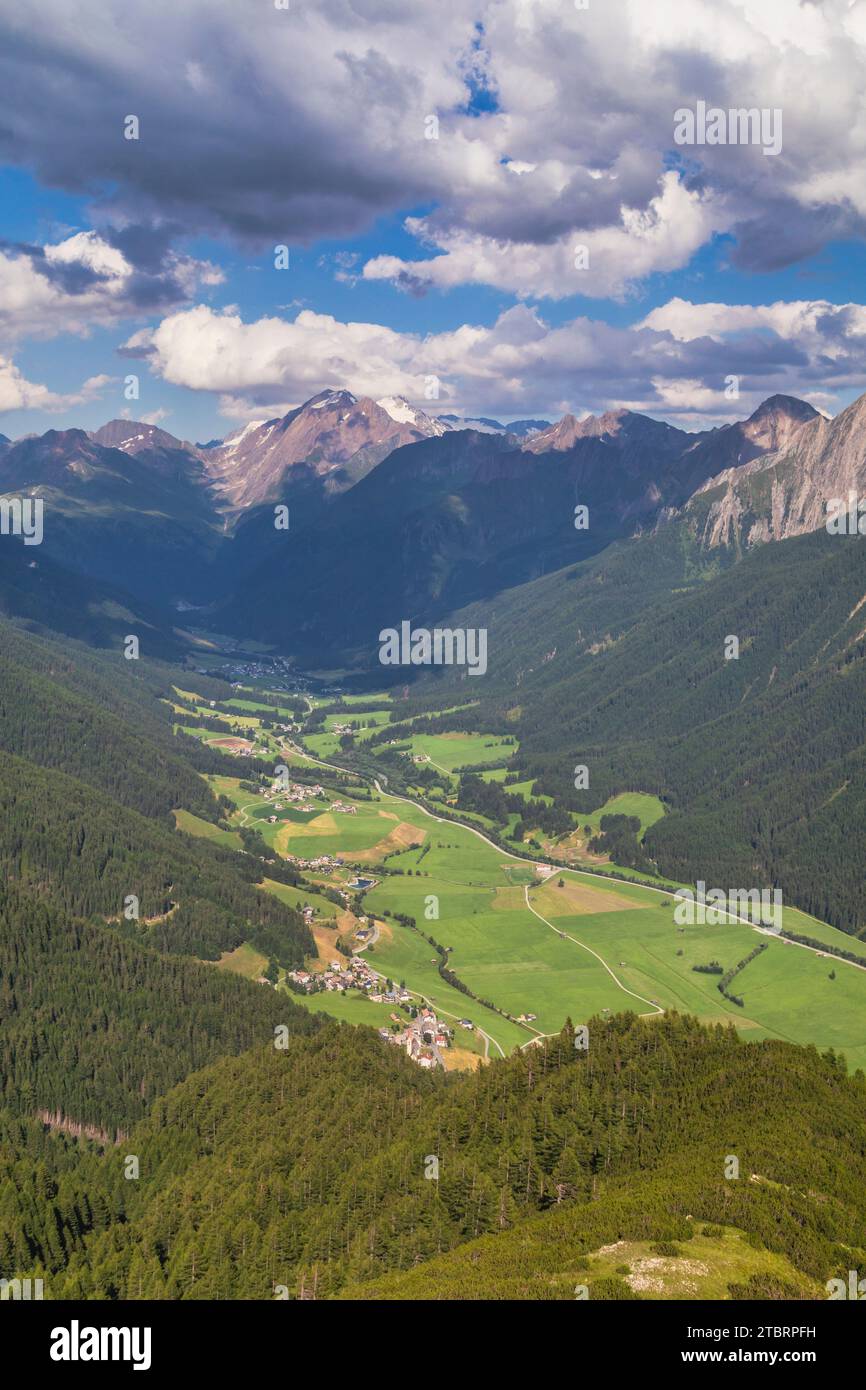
490	207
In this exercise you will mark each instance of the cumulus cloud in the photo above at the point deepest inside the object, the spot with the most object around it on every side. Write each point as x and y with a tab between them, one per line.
309	122
17	393
674	363
599	263
816	322
83	282
272	124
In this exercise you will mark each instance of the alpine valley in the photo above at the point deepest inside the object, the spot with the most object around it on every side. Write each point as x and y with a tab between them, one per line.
288	925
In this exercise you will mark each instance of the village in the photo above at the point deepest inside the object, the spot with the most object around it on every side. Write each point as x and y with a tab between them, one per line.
424	1037
298	795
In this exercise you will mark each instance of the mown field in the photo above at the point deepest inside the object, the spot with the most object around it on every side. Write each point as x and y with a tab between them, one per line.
194	825
573	946
507	955
450	752
647	808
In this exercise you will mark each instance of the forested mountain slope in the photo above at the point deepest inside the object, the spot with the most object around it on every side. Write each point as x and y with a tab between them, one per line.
96	716
620	665
47	596
67	844
93	1027
306	1168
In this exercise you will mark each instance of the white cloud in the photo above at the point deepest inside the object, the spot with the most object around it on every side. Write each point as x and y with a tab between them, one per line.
81	283
17	393
575	144
88	249
790	319
662	237
830	338
674	362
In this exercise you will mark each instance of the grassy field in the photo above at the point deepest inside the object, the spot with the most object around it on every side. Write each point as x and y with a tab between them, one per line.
703	1269
194	825
574	946
302	897
375	718
374	830
575	846
322	745
349	1008
404	956
244	960
450	752
252	709
191	732
383	696
508	955
524	789
648	810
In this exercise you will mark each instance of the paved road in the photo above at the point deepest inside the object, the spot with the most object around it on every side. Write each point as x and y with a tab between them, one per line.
583	873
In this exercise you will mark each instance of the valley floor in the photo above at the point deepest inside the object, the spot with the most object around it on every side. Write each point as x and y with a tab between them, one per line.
526	944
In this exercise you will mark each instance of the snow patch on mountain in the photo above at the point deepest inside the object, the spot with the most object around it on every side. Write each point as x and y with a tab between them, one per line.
403	413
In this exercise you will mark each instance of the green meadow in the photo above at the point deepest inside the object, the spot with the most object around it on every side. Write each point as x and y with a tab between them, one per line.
349	1008
647	808
206	830
281	714
507	955
322	745
383	696
450	752
303	897
581	945
524	789
374	718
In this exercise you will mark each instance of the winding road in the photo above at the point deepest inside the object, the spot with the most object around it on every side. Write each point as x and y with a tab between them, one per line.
655	1009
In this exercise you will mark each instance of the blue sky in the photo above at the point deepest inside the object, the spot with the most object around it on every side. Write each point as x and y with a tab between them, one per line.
417	259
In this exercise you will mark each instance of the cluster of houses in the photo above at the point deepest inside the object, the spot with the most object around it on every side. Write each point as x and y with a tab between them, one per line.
276	671
424	1038
355	974
300	796
325	863
296	792
278	806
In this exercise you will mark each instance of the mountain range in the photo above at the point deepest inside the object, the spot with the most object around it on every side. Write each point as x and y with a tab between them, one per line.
606	646
439	514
